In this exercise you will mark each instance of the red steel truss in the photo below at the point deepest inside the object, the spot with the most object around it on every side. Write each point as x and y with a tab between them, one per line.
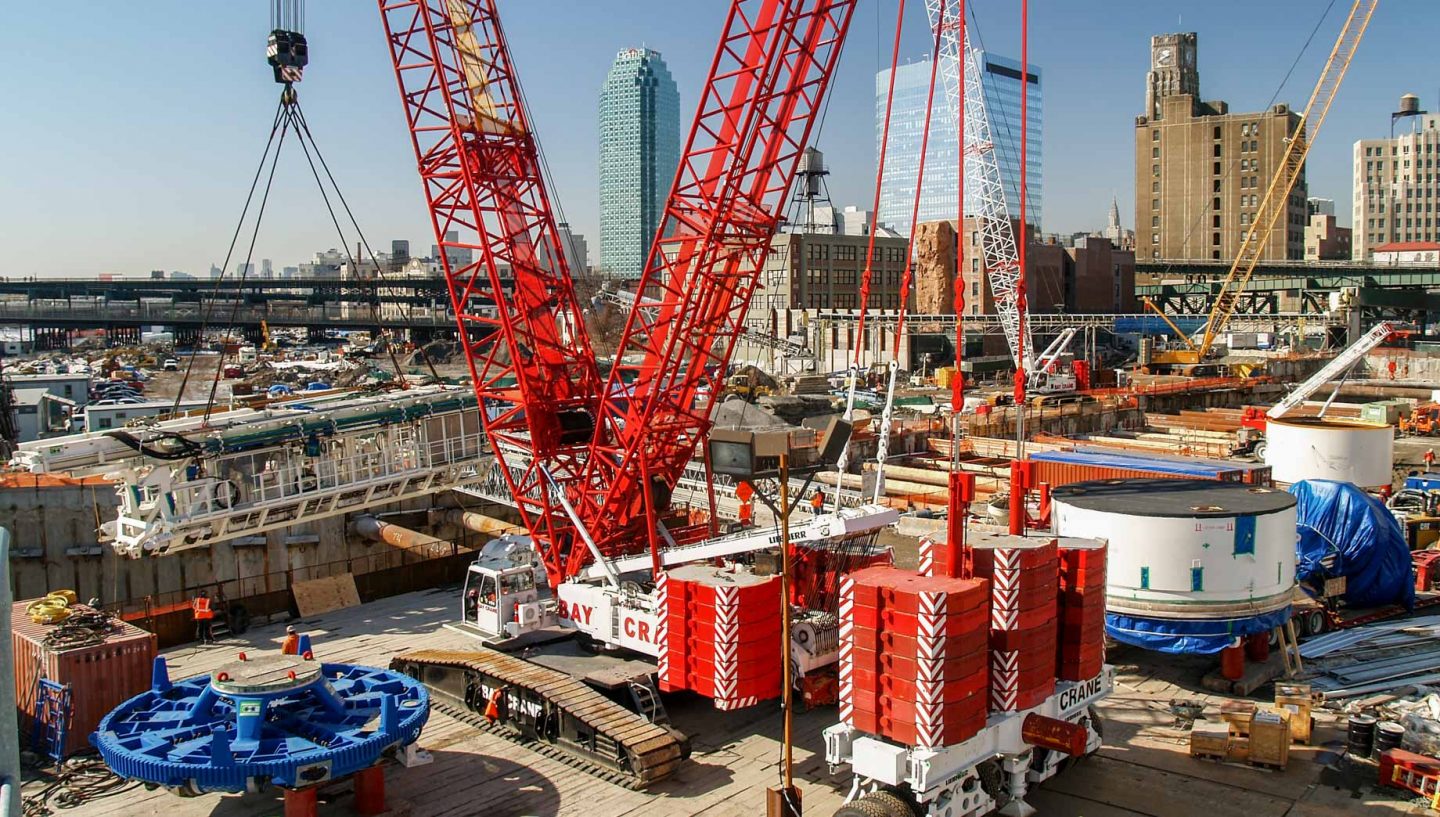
524	338
763	96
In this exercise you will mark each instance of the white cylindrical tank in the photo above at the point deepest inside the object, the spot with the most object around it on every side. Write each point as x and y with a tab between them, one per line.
1186	549
1362	454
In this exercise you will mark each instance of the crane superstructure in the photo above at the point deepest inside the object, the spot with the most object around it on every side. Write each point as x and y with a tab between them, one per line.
984	185
1277	195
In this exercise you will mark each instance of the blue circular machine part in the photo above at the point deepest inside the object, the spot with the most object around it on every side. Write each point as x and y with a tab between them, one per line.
277	720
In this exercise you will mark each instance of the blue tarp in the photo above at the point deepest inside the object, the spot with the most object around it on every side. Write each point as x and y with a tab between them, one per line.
1138	463
1346	532
1188	636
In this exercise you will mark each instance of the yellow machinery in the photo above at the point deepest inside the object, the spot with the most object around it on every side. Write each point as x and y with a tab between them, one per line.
1185	360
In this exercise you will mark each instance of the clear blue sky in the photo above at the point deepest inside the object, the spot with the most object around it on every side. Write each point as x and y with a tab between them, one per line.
133	128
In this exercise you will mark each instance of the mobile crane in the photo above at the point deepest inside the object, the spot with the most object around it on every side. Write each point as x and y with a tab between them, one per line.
591	461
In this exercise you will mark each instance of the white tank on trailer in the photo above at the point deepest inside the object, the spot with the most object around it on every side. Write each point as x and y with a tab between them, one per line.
1362	454
1191	561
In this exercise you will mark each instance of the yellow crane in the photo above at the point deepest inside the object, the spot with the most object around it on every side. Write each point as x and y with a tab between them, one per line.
1277	197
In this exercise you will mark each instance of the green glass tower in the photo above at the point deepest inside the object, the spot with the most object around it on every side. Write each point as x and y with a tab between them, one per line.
639	153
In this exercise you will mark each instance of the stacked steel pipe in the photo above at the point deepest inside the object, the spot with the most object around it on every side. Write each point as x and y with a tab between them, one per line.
912	656
719	635
1081	653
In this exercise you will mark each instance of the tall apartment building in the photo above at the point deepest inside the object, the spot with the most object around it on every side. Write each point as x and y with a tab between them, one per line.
1397	184
1003	89
639	153
1202	171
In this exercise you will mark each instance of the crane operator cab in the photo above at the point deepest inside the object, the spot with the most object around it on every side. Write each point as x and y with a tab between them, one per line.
505	594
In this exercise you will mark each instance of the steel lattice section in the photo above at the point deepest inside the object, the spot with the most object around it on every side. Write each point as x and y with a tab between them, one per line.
760	103
524	338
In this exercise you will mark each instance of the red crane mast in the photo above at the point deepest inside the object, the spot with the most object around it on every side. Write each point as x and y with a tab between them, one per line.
764	93
523	338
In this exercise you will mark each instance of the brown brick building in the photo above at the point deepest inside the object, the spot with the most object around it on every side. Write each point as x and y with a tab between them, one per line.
1201	171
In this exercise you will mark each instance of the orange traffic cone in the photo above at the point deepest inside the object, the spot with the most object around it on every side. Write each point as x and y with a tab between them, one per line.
492	708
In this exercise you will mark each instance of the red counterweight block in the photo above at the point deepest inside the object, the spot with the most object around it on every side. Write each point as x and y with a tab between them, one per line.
913	655
719	634
1081	650
1024	579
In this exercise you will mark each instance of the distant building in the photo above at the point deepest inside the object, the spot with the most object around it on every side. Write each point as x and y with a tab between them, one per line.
216	273
823	271
1324	239
290	273
177	275
577	251
399	254
1000	78
458	256
1320	207
1202	171
1407	254
267	269
639	154
1119	237
1397	183
1091	276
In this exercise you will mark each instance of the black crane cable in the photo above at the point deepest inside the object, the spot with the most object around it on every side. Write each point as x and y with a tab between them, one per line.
79	780
285	99
302	130
234	238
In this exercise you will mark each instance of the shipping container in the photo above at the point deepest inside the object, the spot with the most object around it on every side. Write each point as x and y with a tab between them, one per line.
101	676
1065	467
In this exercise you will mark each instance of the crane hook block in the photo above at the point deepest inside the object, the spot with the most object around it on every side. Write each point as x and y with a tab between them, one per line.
288	54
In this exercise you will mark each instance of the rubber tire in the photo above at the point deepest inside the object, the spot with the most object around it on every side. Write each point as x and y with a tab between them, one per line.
1258	452
876	804
1314	623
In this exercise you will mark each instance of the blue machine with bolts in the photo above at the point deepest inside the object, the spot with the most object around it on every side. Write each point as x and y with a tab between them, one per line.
278	720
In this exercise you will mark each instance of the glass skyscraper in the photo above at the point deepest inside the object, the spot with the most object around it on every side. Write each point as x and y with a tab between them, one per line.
639	153
1001	81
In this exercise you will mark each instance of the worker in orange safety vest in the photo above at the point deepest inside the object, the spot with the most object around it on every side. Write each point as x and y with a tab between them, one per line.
291	645
204	617
817	502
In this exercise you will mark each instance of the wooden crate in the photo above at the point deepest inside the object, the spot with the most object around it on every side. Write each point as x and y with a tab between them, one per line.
1238	714
1270	738
1210	740
1298	699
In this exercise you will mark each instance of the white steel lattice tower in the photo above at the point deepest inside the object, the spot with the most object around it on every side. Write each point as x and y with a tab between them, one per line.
983	184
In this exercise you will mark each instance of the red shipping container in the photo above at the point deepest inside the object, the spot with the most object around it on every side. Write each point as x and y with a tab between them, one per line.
101	677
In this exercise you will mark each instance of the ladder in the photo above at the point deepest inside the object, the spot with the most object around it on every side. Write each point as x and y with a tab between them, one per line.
1353	354
52	718
647	700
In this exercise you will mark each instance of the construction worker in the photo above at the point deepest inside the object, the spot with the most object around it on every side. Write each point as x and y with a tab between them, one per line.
817	502
204	617
291	645
1429	458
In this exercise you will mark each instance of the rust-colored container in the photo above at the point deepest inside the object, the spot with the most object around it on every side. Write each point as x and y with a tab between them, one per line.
100	676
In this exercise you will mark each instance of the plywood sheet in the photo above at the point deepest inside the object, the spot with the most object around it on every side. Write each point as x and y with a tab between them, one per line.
325	595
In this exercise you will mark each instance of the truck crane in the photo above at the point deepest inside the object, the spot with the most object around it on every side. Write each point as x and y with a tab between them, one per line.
1192	358
591	461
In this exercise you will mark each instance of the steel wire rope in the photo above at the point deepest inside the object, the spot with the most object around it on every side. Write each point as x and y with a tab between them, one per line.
249	256
302	133
234	238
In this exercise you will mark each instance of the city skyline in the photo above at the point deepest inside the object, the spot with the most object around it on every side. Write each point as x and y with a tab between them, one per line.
152	185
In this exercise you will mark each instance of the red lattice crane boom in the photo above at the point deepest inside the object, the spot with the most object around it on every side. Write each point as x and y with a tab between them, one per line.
524	338
764	93
578	453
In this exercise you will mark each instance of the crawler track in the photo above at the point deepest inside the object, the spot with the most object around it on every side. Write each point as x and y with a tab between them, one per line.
548	710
